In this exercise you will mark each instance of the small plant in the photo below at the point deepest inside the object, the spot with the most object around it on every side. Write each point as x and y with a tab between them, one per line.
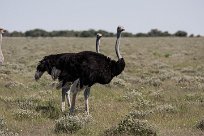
138	114
71	124
25	114
30	103
165	109
200	125
7	133
49	109
131	126
2	123
166	55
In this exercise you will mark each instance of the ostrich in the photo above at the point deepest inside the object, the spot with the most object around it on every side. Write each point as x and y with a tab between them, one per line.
1	54
73	87
48	64
89	68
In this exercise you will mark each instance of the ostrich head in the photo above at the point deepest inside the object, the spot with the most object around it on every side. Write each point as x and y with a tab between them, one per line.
41	68
2	30
120	29
98	35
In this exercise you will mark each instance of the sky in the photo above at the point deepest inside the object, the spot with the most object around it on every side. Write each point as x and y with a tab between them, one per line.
135	15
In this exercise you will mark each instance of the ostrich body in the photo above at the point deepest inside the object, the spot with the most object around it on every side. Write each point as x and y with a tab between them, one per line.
91	68
48	63
1	54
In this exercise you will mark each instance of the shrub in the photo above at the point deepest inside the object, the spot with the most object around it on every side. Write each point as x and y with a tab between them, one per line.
181	34
200	125
138	114
165	109
25	104
71	124
2	123
49	109
25	114
131	126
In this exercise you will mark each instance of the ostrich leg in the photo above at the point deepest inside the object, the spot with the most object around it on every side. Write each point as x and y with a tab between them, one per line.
68	98
86	96
65	94
74	89
63	99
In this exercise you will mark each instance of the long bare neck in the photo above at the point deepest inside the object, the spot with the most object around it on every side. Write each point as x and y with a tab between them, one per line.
0	40
97	45
117	45
1	54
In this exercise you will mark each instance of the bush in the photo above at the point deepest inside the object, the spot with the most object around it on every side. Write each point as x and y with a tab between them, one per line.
131	126
36	33
181	34
49	109
2	123
25	114
4	130
166	108
71	124
200	125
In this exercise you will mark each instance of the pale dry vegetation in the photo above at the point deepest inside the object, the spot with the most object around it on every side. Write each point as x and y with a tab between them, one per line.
161	91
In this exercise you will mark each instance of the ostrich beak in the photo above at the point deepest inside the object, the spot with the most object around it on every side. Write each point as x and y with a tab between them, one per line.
122	29
3	31
38	74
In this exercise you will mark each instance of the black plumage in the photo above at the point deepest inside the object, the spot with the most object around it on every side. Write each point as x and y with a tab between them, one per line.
90	67
48	63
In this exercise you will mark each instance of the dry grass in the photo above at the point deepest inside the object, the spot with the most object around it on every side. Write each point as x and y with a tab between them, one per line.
163	83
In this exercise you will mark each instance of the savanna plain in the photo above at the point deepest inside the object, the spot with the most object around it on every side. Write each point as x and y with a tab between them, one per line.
160	92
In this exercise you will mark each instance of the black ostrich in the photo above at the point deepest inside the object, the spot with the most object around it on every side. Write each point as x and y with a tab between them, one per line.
48	63
90	68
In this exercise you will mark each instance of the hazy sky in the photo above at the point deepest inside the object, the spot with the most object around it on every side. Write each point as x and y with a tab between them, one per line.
135	15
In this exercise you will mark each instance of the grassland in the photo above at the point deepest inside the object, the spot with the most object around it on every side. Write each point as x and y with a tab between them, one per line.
163	84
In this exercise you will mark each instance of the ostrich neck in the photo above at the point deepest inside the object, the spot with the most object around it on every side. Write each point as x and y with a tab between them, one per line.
0	44
117	46
97	45
0	40
1	54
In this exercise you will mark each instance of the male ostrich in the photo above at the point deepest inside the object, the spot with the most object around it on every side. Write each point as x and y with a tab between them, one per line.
90	68
1	54
48	64
65	91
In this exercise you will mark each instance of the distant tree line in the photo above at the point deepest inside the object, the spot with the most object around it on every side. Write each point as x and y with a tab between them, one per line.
92	33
